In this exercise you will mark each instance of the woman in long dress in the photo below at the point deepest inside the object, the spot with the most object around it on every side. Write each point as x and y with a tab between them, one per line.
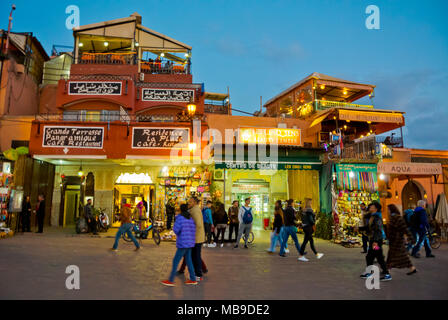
397	257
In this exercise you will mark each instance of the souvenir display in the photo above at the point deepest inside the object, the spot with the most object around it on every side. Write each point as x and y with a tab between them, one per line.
6	180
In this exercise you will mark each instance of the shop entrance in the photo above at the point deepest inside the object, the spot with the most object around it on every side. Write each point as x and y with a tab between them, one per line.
258	192
133	194
71	202
410	195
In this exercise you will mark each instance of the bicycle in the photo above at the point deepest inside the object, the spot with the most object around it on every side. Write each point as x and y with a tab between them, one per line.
250	239
434	240
143	234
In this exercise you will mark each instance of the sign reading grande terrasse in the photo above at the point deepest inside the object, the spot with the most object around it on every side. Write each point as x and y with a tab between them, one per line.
160	138
94	88
73	137
168	95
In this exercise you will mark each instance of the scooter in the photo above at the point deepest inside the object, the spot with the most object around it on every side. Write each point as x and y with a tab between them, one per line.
103	221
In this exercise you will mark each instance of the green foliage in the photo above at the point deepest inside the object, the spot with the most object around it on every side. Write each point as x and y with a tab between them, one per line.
323	226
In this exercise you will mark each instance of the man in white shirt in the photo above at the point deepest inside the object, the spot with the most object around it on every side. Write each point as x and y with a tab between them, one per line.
245	217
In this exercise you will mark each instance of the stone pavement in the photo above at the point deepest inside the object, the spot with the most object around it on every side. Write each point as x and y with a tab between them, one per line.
32	266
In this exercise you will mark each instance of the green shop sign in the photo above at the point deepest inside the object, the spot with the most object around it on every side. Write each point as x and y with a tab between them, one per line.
267	166
356	167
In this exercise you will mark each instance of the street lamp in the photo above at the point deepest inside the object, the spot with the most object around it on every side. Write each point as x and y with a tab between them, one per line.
9	28
191	109
192	148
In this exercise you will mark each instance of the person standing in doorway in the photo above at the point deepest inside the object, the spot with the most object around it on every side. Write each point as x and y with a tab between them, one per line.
233	219
90	218
196	214
26	214
126	227
169	213
245	218
185	230
290	228
419	221
397	256
376	239
309	224
40	213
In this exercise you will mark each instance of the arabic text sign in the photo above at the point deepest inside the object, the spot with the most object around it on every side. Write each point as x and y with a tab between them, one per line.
171	95
94	88
279	136
73	137
160	138
410	168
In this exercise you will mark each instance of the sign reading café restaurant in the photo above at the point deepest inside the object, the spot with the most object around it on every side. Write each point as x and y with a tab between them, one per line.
160	138
409	168
73	137
94	88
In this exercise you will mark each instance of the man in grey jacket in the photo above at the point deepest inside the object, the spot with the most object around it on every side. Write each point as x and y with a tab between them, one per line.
245	217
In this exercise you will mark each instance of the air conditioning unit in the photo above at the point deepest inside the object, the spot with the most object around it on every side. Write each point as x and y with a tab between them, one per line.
142	76
218	174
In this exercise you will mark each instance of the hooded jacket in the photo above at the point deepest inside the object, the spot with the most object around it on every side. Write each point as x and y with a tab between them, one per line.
185	230
375	232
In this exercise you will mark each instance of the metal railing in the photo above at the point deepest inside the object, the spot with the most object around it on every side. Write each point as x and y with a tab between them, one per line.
318	105
216	108
107	58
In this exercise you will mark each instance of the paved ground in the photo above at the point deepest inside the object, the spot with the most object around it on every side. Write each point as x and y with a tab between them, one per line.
32	266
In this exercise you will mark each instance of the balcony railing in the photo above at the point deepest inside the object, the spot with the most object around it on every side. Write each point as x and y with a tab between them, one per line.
108	58
318	105
216	108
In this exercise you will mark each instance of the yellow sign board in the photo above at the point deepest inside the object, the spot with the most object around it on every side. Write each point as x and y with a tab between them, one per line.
278	136
371	116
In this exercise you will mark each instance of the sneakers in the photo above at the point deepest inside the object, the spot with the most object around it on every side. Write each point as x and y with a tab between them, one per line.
222	245
303	259
319	255
386	277
235	247
137	248
113	249
168	283
246	247
204	245
365	275
191	282
282	255
199	279
431	256
286	250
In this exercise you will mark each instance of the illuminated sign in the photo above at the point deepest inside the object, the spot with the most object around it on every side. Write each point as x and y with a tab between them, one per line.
371	116
278	136
134	178
73	137
411	168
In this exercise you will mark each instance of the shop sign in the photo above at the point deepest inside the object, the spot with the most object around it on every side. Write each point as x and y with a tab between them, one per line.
356	167
410	168
371	116
249	188
167	95
134	178
277	136
384	150
160	138
94	88
266	166
6	167
73	137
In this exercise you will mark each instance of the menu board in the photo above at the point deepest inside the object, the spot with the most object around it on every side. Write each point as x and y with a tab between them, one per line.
94	88
160	138
171	95
73	137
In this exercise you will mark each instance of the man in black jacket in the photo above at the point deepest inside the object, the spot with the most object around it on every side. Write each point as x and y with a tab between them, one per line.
40	213
290	228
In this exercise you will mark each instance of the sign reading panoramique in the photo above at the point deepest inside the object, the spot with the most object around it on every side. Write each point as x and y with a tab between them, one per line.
94	88
167	95
160	138
73	137
278	136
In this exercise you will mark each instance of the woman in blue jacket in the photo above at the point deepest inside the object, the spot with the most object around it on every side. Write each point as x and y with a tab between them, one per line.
185	230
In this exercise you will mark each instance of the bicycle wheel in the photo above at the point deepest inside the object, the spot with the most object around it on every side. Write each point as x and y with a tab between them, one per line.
156	236
250	239
126	237
435	242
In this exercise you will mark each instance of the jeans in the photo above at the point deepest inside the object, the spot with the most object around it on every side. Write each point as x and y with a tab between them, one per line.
415	236
197	260
184	264
244	228
289	231
181	253
40	223
220	231
208	232
365	242
125	228
169	220
277	239
308	238
232	227
422	239
378	254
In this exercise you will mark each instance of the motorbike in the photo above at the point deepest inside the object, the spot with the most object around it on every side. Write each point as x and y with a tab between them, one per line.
103	221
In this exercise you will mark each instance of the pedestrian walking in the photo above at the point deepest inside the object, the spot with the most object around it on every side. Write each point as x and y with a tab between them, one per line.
290	228
195	211
208	223
26	214
185	230
277	228
233	220
376	238
90	217
309	226
221	220
397	256
40	213
169	209
419	222
245	218
362	227
126	227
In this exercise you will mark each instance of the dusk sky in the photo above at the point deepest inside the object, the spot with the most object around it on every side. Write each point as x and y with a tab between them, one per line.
259	48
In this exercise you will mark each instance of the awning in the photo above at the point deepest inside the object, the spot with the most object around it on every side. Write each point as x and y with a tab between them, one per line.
320	117
410	168
390	117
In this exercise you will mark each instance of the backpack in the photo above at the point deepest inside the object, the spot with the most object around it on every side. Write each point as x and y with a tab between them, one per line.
414	220
247	216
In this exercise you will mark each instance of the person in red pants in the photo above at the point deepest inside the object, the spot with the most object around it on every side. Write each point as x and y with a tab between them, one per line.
182	267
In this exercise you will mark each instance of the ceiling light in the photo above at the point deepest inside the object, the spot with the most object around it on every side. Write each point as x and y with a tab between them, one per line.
81	44
106	44
322	86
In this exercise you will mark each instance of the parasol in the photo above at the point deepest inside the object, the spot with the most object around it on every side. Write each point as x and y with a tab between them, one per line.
442	210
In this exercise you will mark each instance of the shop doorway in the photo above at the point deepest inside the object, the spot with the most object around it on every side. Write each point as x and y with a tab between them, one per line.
71	206
410	195
133	194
